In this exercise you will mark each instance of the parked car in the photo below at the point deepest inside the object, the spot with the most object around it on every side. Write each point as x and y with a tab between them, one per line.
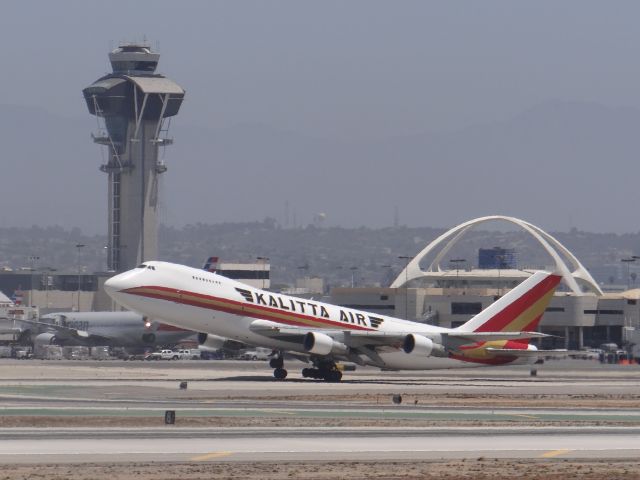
162	355
189	354
256	354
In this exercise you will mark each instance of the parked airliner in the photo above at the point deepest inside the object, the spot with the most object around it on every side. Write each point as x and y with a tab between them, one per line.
325	334
119	329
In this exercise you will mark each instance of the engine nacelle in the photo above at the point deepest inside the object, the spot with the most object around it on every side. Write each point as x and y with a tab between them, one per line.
45	339
422	346
533	360
210	341
322	344
417	345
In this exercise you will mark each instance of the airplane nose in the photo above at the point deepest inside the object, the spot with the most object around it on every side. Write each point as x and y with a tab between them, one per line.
116	284
109	286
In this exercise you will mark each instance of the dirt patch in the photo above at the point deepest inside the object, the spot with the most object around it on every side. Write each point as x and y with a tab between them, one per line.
478	469
464	400
284	421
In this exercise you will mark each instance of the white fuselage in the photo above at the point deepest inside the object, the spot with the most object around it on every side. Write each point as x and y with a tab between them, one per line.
205	302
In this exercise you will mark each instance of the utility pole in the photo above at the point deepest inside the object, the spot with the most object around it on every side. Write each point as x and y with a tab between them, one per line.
353	271
457	262
407	259
264	261
627	261
79	246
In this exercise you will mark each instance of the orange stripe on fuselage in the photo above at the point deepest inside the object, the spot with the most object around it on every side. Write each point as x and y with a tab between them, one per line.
488	360
164	327
239	308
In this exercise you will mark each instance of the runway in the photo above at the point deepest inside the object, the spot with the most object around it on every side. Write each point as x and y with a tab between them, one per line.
79	412
325	444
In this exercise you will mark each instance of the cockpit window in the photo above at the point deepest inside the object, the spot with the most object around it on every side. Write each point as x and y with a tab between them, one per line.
144	265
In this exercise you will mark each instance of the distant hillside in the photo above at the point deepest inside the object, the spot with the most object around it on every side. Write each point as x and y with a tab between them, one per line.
370	255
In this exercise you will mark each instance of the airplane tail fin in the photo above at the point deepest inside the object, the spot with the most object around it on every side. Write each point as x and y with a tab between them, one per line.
211	265
520	310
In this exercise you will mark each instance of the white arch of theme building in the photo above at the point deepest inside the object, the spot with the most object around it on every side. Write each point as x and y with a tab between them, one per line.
574	274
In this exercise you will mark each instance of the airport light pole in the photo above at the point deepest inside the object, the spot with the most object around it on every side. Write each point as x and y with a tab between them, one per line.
33	260
457	262
385	280
304	267
264	261
500	259
627	261
353	271
79	246
48	278
407	259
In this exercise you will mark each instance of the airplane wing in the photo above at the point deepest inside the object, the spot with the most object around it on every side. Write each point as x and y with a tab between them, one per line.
276	330
471	337
370	343
292	334
530	353
65	332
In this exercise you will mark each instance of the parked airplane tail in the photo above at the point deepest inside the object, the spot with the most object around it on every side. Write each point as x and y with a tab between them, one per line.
520	310
211	264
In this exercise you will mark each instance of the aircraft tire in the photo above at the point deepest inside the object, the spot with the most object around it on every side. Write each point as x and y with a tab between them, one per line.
276	362
333	376
280	373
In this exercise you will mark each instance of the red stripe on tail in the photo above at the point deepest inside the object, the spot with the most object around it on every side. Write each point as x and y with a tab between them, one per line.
502	319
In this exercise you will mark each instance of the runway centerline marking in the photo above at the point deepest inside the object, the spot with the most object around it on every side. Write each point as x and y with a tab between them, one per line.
554	453
211	456
276	410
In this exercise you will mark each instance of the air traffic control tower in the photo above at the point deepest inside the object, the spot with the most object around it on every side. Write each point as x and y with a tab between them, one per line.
131	105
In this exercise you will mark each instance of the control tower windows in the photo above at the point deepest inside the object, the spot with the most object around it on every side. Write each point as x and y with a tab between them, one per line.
139	66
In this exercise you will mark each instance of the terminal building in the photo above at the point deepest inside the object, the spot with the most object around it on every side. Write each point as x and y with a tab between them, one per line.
579	315
82	292
57	291
257	275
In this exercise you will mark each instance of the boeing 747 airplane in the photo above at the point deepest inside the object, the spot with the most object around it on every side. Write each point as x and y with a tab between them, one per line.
325	334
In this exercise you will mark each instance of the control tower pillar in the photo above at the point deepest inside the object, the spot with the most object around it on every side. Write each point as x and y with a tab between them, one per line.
132	105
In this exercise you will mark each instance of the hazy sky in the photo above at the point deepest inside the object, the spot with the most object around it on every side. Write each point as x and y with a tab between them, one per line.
336	69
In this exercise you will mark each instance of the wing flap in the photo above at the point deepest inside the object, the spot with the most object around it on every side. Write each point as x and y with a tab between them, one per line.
493	336
527	353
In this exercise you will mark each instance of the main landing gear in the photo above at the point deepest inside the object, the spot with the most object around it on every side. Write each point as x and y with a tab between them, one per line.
324	370
277	363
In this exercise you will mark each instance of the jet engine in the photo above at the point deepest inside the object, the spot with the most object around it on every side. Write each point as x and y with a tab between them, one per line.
45	339
210	341
213	342
322	344
422	346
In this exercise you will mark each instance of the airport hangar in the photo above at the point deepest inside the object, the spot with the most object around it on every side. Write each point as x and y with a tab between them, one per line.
579	315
